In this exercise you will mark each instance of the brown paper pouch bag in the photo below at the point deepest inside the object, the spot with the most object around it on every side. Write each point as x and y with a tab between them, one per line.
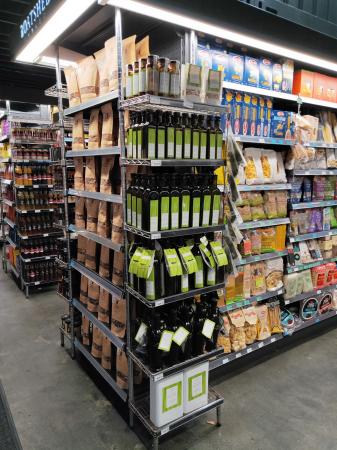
92	214
90	256
85	331
91	172
72	86
118	316
103	84
84	290
106	353
121	369
81	248
78	132
111	61
104	262
106	174
79	174
107	125
103	228
104	306
118	269
97	339
143	48
87	75
80	212
93	296
95	129
117	223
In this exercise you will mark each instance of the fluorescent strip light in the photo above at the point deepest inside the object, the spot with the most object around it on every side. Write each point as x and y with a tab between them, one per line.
197	25
63	17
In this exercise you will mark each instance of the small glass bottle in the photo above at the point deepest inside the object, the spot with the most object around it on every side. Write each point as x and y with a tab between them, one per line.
152	75
129	80
174	71
142	75
164	77
135	79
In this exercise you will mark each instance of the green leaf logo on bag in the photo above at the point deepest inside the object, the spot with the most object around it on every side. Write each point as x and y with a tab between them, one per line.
173	263
219	254
188	260
145	264
134	261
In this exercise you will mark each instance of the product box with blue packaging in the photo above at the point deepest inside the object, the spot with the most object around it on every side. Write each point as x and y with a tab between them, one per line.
277	77
254	113
220	61
238	107
287	76
260	116
279	124
251	75
229	101
236	64
245	119
266	73
203	56
268	107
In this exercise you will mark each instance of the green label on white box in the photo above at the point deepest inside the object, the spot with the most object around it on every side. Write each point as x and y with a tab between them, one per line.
196	386
172	396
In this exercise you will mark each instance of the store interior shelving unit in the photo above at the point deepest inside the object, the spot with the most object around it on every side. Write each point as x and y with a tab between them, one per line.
138	405
19	192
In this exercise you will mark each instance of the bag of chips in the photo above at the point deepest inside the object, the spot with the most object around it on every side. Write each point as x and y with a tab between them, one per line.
263	330
250	324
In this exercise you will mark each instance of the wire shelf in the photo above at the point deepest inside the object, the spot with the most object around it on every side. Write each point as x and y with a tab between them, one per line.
53	91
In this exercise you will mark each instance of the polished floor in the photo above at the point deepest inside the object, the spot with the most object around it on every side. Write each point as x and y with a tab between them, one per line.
287	401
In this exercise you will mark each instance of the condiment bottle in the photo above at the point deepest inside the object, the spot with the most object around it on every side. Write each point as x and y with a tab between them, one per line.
164	77
129	81
174	70
152	75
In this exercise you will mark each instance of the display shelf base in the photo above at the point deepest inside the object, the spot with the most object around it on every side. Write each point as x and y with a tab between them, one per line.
107	377
141	408
113	198
13	269
263	223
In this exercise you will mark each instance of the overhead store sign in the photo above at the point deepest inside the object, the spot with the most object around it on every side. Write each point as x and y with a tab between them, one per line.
33	17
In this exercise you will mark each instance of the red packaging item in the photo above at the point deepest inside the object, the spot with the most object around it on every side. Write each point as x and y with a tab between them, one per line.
335	276
303	83
319	276
330	270
319	89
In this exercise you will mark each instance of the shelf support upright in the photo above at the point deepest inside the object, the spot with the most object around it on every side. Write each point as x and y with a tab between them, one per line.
119	39
64	176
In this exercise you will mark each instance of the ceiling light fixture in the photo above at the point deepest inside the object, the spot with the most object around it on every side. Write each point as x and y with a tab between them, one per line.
204	27
62	19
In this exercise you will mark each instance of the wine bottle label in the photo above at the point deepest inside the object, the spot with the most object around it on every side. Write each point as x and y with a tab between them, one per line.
210	277
128	87
212	146
203	144
219	254
188	260
208	328
154	215
195	150
165	341
187	143
134	143
134	211
129	146
170	142
206	210
141	334
180	336
142	80
216	209
135	84
139	143
199	275
161	143
150	287
128	209
174	213
151	146
179	144
219	146
184	283
196	212
139	212
185	213
164	213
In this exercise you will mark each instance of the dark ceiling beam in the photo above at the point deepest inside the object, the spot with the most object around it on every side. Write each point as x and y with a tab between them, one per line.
23	2
8	21
6	11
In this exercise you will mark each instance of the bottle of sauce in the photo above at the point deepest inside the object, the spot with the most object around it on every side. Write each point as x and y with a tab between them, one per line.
152	75
174	71
164	77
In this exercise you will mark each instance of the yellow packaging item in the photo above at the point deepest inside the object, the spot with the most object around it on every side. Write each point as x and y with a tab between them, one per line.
274	317
220	172
253	169
223	336
239	285
230	289
143	48
87	74
237	331
268	239
250	324
72	86
102	67
263	330
280	237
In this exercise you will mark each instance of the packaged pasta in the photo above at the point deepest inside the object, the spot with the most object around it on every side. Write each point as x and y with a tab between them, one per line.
237	331
269	165
223	336
274	317
280	171
274	274
255	238
281	200
250	324
253	169
263	330
268	239
270	205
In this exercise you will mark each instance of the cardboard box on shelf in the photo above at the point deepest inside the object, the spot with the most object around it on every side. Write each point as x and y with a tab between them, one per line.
265	73
303	83
236	64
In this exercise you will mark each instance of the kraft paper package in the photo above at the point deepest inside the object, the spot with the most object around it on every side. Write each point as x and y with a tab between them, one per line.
85	330
79	174
129	57
118	269
80	213
105	262
78	132
117	223
91	174
95	129
102	67
107	125
143	48
106	353
97	340
84	290
92	214
118	316
72	86
81	248
121	369
103	228
93	296
104	306
106	174
90	256
87	74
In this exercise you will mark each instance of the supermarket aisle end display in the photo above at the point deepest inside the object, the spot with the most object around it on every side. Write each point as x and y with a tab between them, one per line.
205	219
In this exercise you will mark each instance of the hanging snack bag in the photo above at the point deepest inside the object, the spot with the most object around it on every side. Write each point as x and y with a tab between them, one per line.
90	256
143	48
274	274
95	129
74	95
263	330
87	74
118	269
81	248
237	331
250	324
293	285
268	239
97	339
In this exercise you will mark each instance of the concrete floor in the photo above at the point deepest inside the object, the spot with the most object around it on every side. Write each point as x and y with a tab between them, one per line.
286	402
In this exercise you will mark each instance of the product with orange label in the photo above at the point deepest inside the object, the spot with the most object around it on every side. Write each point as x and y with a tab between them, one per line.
319	276
303	83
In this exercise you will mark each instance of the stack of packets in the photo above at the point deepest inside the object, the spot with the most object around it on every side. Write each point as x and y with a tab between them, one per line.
258	206
264	166
312	220
313	250
311	189
263	240
243	327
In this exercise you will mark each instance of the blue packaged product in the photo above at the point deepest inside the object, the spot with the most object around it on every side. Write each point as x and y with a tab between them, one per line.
220	61
260	116
246	111
236	64
229	100
279	124
265	73
251	75
287	322
307	189
254	115
277	77
203	56
237	124
268	106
